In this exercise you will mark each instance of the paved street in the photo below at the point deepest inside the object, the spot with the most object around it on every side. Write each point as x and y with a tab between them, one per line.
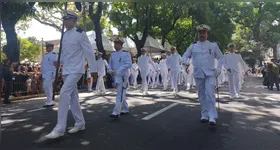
157	121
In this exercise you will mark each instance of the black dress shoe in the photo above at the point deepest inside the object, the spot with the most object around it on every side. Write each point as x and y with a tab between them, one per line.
211	123
204	120
49	105
124	113
114	116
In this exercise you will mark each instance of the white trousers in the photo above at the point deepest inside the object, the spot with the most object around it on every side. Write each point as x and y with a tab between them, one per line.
188	80
174	79
134	79
121	104
100	84
69	96
164	78
234	82
48	89
144	81
157	78
206	96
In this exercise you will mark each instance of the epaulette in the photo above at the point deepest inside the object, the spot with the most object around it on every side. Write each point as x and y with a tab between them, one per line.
53	52
212	41
125	51
194	42
79	30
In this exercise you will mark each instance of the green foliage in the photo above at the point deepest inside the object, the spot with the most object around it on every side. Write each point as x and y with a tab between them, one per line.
29	48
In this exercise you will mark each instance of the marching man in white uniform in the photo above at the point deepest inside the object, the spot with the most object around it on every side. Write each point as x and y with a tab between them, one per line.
119	65
174	66
203	55
163	71
134	73
76	48
101	65
144	62
234	65
48	73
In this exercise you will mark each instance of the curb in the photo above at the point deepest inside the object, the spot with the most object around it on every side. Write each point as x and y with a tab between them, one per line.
34	96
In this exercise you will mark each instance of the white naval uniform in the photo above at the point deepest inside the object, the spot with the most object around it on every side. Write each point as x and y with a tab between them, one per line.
143	63
164	73
203	57
134	73
153	74
91	80
174	64
101	65
157	73
234	62
76	48
48	73
120	63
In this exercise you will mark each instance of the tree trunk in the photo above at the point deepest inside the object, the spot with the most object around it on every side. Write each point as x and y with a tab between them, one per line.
274	47
163	40
12	47
95	18
139	44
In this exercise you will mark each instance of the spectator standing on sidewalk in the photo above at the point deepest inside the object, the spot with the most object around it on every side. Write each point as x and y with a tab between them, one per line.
7	76
273	74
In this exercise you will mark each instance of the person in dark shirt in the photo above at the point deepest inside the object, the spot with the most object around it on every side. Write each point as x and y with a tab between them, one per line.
7	76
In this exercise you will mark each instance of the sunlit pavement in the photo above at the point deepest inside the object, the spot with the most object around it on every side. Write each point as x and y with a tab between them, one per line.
156	121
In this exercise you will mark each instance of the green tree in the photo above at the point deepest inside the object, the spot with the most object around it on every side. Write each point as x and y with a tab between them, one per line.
261	19
29	48
11	13
132	18
165	17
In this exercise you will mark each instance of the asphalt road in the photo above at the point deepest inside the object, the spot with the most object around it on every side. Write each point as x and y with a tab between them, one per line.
157	121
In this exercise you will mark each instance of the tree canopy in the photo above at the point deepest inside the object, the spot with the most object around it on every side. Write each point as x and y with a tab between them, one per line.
251	25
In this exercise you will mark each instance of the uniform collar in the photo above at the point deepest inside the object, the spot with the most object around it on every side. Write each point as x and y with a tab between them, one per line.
73	29
206	41
119	50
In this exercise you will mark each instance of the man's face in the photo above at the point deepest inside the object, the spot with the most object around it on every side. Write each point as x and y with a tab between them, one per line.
163	57
69	22
231	49
117	46
134	61
202	35
143	52
173	51
49	48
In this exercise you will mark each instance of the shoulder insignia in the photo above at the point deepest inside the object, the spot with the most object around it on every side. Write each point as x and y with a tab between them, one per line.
53	52
194	42
125	51
79	30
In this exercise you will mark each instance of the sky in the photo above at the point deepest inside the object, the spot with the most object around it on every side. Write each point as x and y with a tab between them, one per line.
48	33
40	31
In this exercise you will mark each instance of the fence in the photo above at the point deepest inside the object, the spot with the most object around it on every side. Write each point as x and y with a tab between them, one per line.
31	83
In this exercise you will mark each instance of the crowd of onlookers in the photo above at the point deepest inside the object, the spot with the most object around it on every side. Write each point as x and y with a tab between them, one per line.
270	71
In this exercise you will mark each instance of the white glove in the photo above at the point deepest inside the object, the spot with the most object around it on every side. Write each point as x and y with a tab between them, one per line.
110	71
217	72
